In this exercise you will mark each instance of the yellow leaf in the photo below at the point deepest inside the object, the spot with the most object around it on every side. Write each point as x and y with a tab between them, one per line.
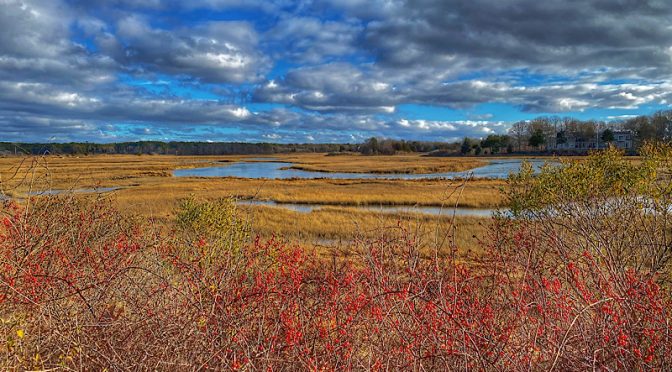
20	333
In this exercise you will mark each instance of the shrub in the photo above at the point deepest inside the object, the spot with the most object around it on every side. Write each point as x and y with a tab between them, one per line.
208	231
588	251
74	283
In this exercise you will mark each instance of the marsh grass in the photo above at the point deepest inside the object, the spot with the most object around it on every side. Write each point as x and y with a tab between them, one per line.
148	191
334	228
158	197
146	183
100	168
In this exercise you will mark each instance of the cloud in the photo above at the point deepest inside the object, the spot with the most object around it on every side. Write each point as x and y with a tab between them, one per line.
124	106
346	88
446	130
363	9
269	6
34	111
312	40
562	36
332	70
220	51
35	46
330	87
47	25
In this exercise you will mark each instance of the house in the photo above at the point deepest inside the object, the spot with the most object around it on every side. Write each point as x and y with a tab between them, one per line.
623	139
570	142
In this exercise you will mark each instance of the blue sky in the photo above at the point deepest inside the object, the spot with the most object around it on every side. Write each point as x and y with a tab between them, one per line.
323	70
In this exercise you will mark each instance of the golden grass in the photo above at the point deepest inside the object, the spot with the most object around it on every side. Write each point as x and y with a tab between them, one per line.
148	189
146	182
112	170
65	172
160	197
336	227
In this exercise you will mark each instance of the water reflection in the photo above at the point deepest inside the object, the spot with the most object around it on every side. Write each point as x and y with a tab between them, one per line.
436	211
279	170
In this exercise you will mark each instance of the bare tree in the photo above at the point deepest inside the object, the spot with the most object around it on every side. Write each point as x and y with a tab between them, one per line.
519	133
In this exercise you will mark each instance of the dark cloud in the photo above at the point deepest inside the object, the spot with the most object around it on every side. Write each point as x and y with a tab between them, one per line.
311	40
223	51
539	34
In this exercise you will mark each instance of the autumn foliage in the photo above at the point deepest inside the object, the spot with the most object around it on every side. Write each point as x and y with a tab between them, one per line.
84	287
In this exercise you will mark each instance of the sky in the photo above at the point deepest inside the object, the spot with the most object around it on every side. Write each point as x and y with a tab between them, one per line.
323	70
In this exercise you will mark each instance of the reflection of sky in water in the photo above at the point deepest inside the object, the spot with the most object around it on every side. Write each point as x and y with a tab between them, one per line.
446	211
273	170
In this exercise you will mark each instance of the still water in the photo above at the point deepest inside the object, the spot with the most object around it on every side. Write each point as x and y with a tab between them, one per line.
279	170
436	211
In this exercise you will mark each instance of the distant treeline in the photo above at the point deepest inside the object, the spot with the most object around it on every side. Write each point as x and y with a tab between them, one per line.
168	148
379	146
541	135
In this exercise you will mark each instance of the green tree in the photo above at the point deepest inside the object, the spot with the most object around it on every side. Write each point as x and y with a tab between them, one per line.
495	142
537	139
561	137
607	135
541	127
466	146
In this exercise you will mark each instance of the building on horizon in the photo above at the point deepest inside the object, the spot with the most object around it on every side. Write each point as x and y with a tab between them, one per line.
622	139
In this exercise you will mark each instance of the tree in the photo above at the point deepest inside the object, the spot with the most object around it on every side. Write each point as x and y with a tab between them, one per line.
587	130
495	142
537	138
466	146
561	137
387	147
643	129
543	128
370	147
607	135
662	125
518	132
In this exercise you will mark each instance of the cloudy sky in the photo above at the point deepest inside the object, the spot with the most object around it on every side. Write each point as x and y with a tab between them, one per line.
323	70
